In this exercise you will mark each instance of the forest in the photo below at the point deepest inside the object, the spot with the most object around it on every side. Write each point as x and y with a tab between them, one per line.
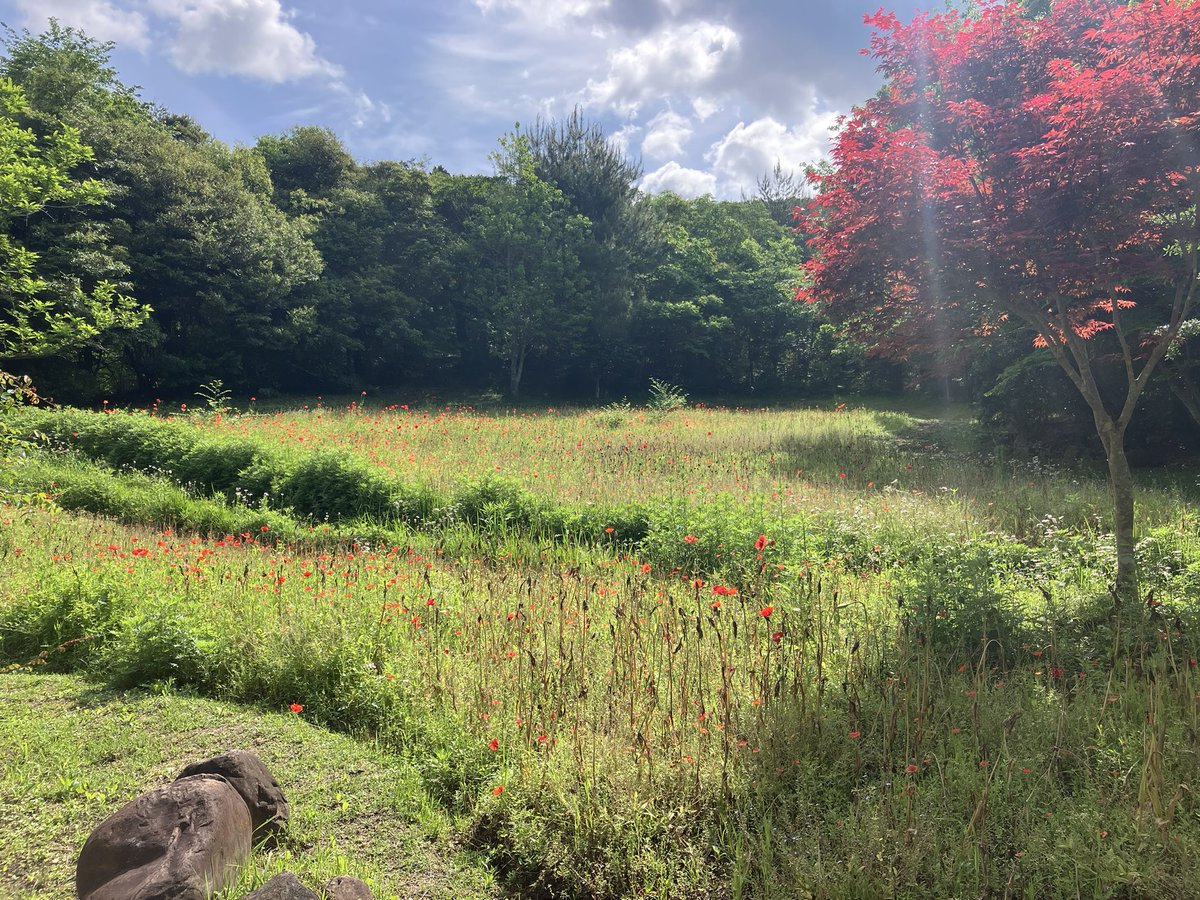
289	267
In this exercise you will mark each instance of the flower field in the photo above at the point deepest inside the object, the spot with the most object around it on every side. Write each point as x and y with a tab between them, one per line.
719	653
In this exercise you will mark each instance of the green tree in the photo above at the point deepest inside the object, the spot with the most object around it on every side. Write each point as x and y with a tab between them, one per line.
40	313
190	225
598	182
719	312
528	243
307	159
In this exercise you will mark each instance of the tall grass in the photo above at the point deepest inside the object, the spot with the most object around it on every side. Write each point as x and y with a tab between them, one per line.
815	732
851	690
879	466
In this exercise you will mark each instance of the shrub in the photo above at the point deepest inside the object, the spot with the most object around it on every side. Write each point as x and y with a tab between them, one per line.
333	486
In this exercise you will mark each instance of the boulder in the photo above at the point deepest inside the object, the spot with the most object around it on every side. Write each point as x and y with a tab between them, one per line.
185	841
346	888
284	886
257	786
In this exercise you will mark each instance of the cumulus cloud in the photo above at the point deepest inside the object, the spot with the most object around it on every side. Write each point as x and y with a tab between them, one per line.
678	59
623	137
253	38
748	152
665	135
677	179
705	107
97	18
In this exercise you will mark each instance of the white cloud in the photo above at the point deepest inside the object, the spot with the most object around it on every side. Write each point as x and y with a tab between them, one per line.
676	59
748	152
97	18
684	182
359	107
544	12
704	108
665	135
623	137
242	37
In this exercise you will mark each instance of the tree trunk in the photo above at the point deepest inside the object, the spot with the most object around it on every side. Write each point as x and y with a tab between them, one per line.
516	369
1121	480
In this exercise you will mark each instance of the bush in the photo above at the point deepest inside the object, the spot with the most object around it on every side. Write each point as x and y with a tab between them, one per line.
333	486
68	621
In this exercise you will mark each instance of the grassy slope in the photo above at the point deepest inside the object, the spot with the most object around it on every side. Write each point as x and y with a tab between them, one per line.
73	753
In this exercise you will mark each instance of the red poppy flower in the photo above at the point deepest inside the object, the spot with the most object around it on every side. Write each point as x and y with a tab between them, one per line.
766	611
493	744
690	538
296	708
777	636
760	543
498	790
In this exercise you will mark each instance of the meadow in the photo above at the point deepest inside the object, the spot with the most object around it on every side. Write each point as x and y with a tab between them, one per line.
839	652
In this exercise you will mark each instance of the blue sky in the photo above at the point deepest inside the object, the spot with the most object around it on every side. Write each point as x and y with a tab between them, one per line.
707	94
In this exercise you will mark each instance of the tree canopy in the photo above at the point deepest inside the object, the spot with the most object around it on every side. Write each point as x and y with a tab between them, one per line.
43	311
1043	168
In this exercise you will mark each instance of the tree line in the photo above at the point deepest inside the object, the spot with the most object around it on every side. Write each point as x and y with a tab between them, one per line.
290	267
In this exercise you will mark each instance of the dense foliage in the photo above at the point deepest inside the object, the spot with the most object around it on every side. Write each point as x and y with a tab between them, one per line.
289	267
1042	169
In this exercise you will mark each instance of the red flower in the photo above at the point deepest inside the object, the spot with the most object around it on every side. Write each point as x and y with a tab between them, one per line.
910	769
1056	672
777	636
493	744
760	543
498	790
724	591
690	538
766	611
296	708
855	735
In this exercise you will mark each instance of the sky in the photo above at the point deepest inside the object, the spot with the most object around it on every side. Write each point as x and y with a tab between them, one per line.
707	95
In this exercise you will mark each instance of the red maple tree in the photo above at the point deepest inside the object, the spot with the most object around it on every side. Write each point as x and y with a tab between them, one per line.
1042	168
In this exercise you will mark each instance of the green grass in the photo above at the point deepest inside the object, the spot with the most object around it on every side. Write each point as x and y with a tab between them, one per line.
674	664
880	466
73	752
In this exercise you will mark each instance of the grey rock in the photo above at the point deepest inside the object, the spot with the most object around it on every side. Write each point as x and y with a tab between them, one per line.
257	786
185	841
346	888
284	886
